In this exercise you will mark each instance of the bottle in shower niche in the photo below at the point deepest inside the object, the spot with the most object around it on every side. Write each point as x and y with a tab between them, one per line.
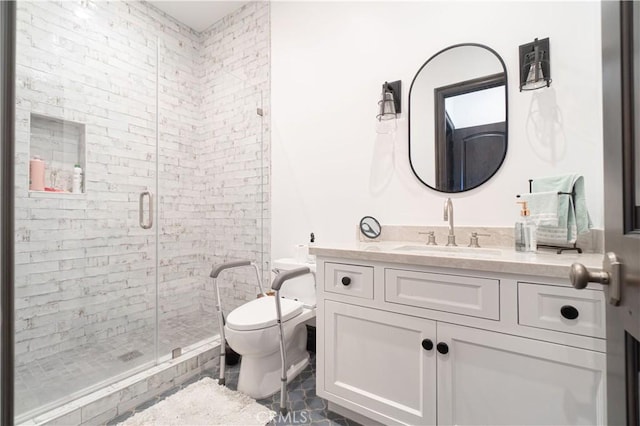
525	231
76	187
36	174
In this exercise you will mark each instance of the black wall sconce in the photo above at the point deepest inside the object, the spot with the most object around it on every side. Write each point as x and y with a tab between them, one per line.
535	68
389	104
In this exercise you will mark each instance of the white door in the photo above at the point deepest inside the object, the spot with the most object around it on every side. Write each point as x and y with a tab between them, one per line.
497	379
382	361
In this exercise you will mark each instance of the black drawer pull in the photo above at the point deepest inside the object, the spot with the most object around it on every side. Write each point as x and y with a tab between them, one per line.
569	312
443	348
427	344
346	281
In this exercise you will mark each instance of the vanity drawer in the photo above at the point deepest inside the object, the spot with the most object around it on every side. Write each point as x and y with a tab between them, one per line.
352	280
562	309
478	297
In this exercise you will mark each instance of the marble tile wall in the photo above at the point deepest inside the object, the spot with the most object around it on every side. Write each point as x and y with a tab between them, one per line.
235	155
85	269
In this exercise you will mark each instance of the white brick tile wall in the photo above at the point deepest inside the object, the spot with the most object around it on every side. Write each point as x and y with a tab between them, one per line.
235	145
85	269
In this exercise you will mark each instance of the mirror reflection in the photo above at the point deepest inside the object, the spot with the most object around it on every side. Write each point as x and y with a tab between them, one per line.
458	118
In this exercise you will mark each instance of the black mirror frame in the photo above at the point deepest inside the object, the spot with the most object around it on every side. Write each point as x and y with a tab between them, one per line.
506	106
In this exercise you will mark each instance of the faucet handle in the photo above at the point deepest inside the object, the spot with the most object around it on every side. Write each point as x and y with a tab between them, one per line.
473	241
432	238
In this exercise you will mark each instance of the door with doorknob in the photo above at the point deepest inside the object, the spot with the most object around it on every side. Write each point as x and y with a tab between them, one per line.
621	264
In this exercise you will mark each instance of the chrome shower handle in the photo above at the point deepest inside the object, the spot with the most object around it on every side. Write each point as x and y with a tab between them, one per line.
149	224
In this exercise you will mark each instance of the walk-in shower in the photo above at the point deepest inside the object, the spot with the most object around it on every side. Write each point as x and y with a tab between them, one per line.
167	131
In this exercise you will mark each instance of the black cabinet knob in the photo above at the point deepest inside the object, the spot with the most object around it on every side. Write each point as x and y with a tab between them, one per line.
569	312
443	348
346	281
427	344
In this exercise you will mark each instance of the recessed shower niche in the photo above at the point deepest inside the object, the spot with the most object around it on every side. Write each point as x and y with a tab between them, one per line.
57	151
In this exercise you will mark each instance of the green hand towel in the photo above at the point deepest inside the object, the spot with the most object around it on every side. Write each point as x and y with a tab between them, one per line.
573	216
543	207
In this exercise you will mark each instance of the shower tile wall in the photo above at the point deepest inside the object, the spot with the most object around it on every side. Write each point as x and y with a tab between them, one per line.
182	225
85	270
235	148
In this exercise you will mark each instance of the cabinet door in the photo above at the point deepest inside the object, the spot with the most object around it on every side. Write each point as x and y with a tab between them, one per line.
376	359
498	379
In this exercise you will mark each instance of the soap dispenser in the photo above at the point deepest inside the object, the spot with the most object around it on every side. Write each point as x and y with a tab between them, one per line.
312	242
525	231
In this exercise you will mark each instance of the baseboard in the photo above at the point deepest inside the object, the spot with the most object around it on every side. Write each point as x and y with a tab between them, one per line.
345	412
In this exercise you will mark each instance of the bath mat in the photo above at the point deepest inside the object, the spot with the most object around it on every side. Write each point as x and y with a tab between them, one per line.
203	403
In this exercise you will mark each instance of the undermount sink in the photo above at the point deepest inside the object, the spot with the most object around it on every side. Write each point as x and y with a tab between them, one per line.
452	250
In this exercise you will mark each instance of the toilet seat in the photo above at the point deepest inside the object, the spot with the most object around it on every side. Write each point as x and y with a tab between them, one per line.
261	313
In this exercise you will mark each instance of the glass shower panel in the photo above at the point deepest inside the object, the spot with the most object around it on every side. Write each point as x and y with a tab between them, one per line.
183	210
212	188
86	153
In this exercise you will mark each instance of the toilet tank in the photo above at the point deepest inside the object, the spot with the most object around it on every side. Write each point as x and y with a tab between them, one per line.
301	288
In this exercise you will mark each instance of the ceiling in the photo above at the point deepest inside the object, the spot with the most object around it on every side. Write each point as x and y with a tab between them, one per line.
198	15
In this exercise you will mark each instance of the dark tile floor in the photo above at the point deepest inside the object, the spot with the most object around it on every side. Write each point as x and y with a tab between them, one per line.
304	406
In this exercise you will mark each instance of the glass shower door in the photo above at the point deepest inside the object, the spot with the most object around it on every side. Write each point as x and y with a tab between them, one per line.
86	174
213	185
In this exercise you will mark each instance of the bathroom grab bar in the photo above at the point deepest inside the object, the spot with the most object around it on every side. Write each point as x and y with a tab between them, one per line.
276	285
287	275
141	210
215	272
219	268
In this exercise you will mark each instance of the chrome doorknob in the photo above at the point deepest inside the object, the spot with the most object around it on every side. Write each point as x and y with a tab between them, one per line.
611	276
580	276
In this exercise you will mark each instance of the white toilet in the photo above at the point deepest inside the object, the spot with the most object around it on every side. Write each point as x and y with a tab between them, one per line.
251	330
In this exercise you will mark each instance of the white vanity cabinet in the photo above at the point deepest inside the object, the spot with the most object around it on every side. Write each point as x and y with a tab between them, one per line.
422	346
493	378
375	359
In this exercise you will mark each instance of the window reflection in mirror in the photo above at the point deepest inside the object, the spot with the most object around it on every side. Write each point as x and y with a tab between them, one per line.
470	133
458	118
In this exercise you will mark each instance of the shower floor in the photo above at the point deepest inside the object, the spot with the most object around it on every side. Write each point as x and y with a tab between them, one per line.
54	378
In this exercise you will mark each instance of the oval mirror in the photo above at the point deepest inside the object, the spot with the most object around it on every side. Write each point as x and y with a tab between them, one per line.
370	227
458	118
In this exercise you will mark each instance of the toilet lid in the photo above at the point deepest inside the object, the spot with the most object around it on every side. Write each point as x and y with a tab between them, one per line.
261	313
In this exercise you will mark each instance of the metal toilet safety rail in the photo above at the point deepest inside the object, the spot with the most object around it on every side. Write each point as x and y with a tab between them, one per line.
276	285
215	272
281	278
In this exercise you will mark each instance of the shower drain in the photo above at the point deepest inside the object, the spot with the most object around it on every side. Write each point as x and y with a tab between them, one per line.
130	355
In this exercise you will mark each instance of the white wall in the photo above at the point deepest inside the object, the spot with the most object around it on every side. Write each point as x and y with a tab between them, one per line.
329	61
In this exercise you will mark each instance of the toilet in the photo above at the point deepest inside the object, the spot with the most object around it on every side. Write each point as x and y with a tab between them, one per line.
252	331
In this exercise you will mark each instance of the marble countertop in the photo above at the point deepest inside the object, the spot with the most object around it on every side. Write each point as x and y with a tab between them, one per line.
490	259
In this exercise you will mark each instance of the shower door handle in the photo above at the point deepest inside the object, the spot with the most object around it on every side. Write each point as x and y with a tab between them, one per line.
149	224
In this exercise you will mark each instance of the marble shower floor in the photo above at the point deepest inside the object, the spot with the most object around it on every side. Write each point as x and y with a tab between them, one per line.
55	377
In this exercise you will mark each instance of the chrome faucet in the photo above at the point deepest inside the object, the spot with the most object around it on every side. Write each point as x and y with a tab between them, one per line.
448	215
